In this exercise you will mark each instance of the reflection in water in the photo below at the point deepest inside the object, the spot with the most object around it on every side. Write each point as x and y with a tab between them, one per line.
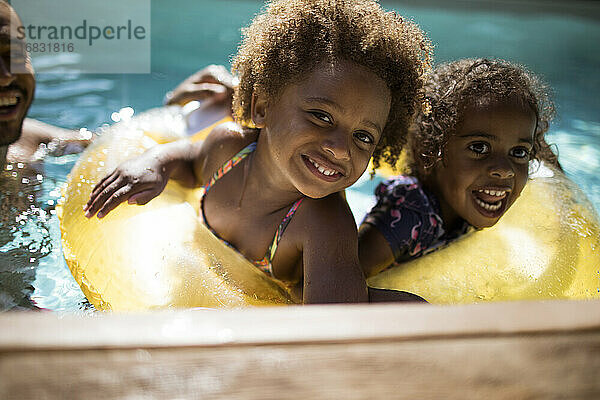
33	274
24	236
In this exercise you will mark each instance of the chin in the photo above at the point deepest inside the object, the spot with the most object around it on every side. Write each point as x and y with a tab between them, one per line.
485	222
314	194
484	225
10	132
315	190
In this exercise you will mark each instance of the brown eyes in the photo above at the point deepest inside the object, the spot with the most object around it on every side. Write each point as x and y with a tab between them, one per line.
520	152
361	136
483	148
364	137
479	148
322	116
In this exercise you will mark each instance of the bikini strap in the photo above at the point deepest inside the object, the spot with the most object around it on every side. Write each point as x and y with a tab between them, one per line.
227	166
265	264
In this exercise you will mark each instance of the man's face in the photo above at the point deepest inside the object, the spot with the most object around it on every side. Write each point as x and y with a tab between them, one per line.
17	82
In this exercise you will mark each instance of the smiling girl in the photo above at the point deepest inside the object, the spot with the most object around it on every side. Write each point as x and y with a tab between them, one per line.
470	157
324	86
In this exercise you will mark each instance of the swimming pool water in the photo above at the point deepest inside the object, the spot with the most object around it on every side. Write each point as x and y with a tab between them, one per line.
561	47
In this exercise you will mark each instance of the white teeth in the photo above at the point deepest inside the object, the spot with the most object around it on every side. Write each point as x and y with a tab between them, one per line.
8	101
490	207
497	193
327	172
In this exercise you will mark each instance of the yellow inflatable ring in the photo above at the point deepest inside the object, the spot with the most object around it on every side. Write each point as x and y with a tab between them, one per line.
547	246
155	256
159	255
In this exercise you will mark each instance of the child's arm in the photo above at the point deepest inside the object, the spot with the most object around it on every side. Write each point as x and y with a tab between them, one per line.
374	251
393	296
142	178
376	255
399	227
332	272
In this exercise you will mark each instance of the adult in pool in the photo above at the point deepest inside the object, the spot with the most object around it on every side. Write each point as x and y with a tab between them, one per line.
16	89
21	137
20	140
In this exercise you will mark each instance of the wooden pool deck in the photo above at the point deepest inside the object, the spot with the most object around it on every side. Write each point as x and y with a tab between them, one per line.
520	350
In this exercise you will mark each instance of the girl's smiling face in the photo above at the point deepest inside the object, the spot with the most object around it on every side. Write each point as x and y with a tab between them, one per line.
485	164
322	131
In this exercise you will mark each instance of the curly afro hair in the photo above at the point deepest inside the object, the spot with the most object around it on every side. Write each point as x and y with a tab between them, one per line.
291	37
461	84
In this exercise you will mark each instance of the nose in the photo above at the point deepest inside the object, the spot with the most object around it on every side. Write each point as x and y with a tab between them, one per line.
6	77
337	145
501	169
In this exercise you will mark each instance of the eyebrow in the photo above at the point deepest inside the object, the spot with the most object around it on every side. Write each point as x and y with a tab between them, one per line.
492	137
324	101
338	108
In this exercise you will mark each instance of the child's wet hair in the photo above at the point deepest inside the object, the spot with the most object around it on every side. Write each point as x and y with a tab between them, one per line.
456	86
289	39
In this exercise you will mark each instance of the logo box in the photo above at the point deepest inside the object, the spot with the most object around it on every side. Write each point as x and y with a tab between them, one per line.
85	36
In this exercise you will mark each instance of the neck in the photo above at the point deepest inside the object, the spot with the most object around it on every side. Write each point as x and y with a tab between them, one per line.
3	151
451	220
267	183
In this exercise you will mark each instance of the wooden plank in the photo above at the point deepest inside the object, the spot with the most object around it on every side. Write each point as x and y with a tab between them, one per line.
525	366
301	324
533	350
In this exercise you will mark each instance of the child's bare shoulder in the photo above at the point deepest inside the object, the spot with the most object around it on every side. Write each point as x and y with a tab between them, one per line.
224	142
321	217
228	137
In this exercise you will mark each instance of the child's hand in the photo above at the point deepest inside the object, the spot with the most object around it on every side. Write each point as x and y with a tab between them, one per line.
138	181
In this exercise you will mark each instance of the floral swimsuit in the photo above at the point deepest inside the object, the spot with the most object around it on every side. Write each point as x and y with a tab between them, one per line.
408	216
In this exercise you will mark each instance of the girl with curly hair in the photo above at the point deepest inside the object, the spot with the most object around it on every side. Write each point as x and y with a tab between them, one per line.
469	156
324	86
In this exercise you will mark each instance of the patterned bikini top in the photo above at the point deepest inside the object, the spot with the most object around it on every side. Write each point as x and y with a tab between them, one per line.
264	264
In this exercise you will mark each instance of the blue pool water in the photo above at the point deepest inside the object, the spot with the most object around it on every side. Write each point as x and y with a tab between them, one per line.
559	45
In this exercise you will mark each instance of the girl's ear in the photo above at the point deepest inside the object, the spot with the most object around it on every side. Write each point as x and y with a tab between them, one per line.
426	164
258	109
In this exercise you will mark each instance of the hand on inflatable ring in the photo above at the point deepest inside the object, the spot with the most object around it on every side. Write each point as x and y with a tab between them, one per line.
138	181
